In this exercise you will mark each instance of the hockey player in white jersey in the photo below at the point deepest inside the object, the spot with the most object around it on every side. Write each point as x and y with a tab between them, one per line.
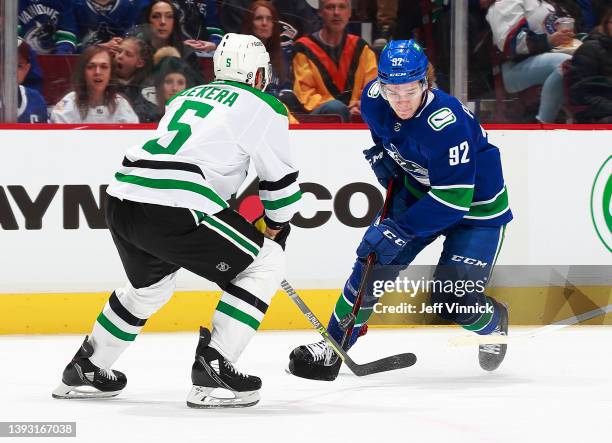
167	209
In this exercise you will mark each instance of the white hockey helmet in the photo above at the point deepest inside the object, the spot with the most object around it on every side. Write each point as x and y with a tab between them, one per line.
239	57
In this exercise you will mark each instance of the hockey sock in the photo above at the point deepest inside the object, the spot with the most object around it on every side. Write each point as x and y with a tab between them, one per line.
236	319
344	306
115	328
487	321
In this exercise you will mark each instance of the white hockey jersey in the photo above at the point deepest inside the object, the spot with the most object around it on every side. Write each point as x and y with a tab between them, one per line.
67	111
201	151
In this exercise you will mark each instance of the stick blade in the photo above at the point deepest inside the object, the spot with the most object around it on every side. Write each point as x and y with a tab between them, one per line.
391	363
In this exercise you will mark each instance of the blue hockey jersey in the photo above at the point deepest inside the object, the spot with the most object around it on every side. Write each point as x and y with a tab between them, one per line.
98	24
452	174
31	106
48	25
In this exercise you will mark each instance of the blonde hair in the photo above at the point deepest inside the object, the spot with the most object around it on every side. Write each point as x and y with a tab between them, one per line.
430	76
165	51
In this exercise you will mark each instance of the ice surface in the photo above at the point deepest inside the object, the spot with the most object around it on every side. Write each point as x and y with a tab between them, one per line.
554	388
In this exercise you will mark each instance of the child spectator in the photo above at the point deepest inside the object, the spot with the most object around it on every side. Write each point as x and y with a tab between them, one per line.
95	98
48	25
134	65
590	75
31	106
171	77
261	20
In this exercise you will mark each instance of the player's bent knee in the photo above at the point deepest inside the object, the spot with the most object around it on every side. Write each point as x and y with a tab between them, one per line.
271	260
144	302
264	275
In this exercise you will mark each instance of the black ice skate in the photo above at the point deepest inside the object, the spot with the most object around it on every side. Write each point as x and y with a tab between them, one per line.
313	361
490	356
211	373
83	379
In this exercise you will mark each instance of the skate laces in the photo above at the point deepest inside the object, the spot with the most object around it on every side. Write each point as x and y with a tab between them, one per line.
320	351
233	369
107	373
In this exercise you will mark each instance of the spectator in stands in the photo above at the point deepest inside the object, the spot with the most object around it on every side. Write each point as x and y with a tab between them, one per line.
525	32
160	28
296	18
386	20
590	75
172	76
134	65
99	21
95	98
331	67
48	25
31	106
261	20
199	23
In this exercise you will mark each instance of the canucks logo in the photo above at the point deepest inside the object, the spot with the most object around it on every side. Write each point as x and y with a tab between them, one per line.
441	119
419	173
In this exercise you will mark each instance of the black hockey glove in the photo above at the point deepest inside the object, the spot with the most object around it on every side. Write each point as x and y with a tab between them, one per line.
384	167
264	222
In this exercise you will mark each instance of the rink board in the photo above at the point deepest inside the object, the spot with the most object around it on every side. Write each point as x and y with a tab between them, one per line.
72	313
58	262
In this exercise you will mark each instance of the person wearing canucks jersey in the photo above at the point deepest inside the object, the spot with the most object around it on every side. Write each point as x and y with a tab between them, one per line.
99	21
447	181
167	209
48	25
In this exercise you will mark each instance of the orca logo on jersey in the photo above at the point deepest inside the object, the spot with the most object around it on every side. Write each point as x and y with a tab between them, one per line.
441	119
601	203
419	173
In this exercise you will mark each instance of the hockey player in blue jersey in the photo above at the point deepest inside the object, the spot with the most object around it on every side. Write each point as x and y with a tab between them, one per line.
448	182
48	25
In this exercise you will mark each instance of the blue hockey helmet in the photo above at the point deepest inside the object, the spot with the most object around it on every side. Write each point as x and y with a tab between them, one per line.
402	61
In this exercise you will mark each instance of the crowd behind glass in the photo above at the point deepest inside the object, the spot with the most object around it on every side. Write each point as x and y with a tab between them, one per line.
119	61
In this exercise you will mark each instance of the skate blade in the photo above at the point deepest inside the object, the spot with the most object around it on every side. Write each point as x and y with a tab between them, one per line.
202	397
63	391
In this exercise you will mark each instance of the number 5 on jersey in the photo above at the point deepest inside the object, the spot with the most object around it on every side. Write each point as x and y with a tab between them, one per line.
183	130
459	154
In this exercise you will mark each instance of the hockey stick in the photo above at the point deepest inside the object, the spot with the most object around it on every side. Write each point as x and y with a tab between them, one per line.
348	322
466	340
390	363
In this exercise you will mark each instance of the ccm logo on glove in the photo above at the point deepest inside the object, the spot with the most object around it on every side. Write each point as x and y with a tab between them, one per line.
391	236
385	239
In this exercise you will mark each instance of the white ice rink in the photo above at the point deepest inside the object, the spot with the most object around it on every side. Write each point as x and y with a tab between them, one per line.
554	388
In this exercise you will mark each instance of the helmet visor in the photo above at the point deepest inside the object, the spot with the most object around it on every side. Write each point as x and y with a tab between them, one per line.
402	92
